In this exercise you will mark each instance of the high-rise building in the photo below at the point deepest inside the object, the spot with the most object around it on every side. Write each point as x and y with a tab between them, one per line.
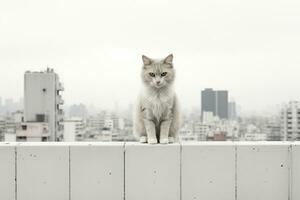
42	107
290	121
222	104
208	101
215	102
232	114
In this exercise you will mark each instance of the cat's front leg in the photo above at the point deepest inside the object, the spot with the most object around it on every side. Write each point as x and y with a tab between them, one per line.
164	131
151	133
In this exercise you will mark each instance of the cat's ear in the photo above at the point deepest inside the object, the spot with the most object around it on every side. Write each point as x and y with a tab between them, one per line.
169	59
146	60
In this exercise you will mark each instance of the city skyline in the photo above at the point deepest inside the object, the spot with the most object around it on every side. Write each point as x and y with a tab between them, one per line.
149	99
186	108
44	117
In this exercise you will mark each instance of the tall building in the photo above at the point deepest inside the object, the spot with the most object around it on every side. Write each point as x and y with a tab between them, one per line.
215	102
42	107
290	121
232	113
222	104
208	101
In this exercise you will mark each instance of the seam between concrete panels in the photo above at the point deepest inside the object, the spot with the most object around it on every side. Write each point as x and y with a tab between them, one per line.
235	172
15	148
69	149
124	176
180	173
290	171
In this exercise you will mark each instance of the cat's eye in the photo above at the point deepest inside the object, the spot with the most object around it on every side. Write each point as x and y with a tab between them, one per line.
163	74
152	74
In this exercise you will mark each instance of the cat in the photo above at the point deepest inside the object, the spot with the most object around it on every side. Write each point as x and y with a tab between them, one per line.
157	116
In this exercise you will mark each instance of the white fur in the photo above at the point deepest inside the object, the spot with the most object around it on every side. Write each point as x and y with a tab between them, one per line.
156	117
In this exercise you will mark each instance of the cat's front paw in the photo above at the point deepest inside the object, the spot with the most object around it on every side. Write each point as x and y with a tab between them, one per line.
143	139
164	141
152	141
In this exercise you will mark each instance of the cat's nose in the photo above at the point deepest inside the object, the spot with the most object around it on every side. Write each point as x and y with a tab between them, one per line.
157	82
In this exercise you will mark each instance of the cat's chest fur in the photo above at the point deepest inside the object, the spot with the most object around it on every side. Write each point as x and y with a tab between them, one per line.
158	105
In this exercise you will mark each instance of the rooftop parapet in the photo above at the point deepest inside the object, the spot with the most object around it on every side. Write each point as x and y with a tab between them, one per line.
133	171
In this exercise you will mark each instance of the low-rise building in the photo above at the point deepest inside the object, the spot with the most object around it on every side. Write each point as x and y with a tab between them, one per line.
33	132
290	121
74	129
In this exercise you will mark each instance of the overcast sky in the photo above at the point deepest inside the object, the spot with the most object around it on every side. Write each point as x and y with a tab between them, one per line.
250	48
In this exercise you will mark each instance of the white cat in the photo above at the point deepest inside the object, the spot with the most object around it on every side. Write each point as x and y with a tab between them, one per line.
156	119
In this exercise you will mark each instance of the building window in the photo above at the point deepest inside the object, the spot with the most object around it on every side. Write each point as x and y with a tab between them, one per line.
21	138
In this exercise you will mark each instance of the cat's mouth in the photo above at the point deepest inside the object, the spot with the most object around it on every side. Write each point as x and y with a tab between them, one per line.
159	85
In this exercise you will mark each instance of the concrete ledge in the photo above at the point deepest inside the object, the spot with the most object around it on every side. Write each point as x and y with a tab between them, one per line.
264	169
208	171
152	172
7	171
42	171
97	171
133	171
295	171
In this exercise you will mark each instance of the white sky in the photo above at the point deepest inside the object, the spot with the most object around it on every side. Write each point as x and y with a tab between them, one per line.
250	48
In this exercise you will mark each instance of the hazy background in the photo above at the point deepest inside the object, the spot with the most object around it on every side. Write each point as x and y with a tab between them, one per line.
250	48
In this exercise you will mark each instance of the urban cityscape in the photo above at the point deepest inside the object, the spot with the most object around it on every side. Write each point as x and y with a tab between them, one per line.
41	115
91	93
